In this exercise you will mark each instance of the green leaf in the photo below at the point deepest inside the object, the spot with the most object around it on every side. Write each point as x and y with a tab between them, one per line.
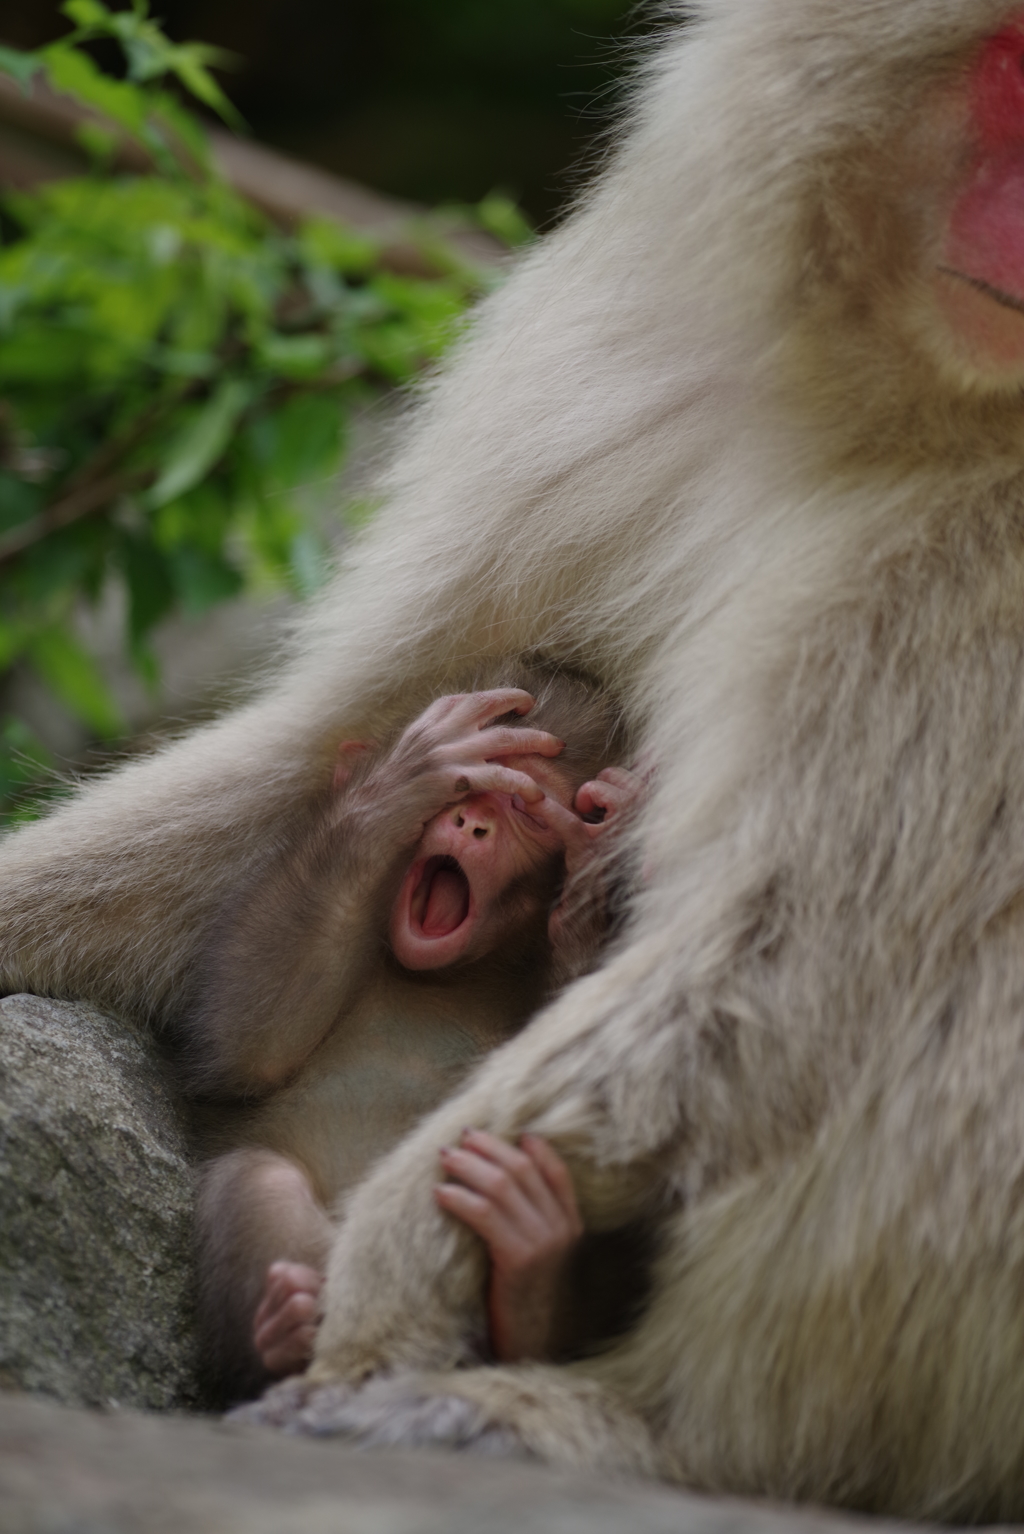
87	13
201	443
297	357
199	519
98	142
202	579
76	75
23	757
18	500
150	587
13	639
147	60
188	62
25	764
20	66
185	126
41	354
71	673
500	216
301	440
332	245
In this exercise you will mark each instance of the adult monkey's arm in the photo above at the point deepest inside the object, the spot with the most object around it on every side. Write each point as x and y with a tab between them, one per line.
404	1283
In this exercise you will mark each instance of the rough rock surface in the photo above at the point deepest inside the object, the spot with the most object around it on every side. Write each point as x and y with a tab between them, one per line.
64	1472
95	1212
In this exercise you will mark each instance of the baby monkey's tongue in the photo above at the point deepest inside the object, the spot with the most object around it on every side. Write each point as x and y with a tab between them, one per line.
447	902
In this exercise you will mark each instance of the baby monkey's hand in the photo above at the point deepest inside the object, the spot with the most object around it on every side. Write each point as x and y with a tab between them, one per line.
453	750
579	923
453	747
521	1203
286	1320
600	807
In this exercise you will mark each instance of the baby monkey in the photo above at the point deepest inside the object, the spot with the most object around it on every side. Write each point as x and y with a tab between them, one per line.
410	920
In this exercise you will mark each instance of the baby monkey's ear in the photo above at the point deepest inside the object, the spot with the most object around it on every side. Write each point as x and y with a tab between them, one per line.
348	750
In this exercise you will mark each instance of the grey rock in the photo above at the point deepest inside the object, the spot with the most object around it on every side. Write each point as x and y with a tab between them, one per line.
64	1472
96	1202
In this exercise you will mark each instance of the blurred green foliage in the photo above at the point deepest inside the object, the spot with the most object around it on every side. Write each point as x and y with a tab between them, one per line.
434	100
173	371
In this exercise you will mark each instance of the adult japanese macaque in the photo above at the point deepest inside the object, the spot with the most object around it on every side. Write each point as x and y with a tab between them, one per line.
744	438
399	931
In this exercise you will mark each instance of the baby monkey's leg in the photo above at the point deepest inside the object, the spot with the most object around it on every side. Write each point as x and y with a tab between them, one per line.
257	1212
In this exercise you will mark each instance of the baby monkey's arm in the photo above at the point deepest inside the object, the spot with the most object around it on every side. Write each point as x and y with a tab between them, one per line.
285	958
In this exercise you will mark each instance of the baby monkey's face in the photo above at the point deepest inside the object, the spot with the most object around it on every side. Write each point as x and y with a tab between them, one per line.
456	900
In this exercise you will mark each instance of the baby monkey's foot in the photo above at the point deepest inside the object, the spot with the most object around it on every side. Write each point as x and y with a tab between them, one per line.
390	1412
287	1317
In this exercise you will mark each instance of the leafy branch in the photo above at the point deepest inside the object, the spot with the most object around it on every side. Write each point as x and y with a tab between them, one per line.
175	371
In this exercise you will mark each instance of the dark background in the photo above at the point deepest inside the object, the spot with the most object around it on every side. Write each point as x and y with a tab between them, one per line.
436	100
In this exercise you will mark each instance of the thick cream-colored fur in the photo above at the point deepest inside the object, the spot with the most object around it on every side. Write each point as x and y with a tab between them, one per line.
711	443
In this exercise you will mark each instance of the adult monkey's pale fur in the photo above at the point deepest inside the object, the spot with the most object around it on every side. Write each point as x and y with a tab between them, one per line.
719	441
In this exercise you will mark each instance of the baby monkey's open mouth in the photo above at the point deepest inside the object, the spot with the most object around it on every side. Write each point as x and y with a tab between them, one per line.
440	902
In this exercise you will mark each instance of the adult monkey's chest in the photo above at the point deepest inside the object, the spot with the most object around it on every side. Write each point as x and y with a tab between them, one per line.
889	818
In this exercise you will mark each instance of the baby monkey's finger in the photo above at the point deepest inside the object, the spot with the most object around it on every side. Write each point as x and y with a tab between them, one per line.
492	777
493	1148
523	1177
623	776
566	823
480	707
557	1176
473	1209
506	740
286	1281
300	1309
286	1277
289	1353
609	796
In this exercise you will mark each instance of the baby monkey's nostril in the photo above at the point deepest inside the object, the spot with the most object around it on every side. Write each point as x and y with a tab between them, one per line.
480	832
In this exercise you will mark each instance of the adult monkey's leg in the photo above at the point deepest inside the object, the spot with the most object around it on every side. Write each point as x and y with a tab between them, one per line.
842	1325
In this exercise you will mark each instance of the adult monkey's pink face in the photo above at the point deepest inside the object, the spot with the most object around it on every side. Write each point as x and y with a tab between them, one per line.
980	281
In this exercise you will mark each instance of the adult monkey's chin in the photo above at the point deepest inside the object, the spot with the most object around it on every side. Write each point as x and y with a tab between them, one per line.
434	916
988	326
980	285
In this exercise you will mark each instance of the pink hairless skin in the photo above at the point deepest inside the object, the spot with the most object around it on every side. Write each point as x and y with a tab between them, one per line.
981	274
498	820
469	855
